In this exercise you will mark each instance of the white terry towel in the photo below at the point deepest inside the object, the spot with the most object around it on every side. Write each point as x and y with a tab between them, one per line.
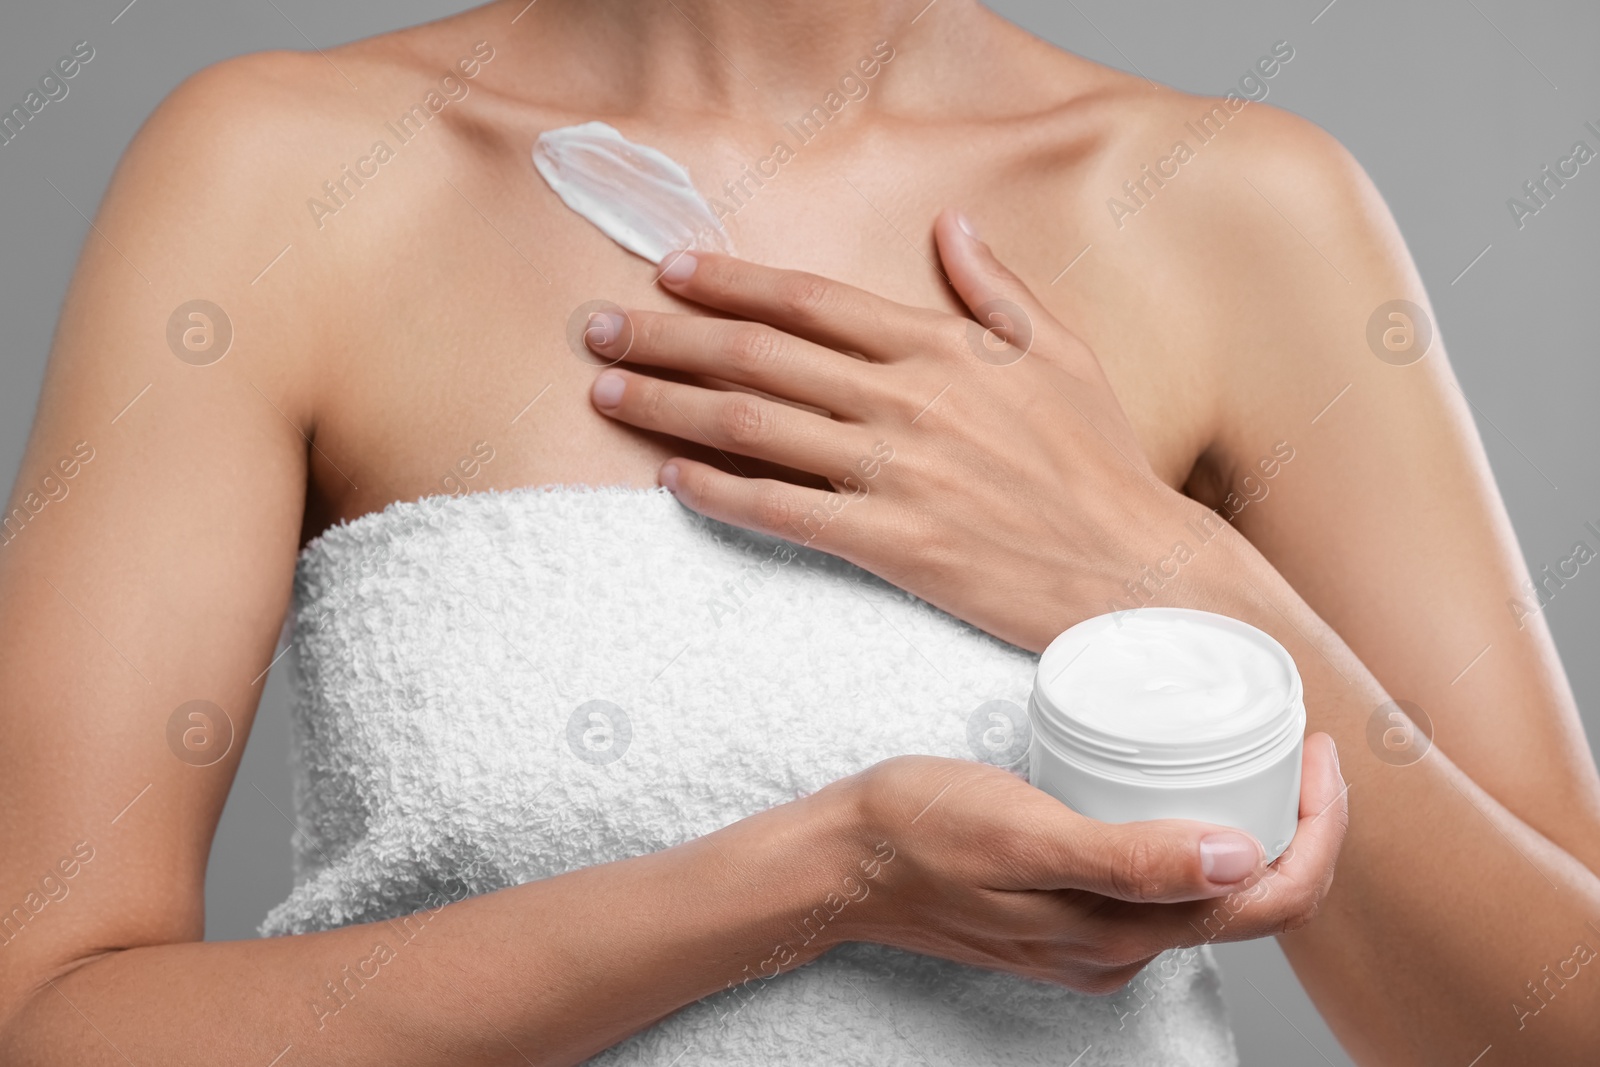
449	654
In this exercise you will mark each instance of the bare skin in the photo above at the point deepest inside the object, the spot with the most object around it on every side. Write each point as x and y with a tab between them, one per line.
431	309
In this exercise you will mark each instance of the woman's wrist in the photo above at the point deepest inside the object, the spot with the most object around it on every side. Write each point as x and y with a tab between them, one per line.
805	876
1194	558
1233	578
858	855
1175	553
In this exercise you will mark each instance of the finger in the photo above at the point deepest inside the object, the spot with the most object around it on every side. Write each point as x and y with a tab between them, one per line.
1324	817
805	516
1286	895
1161	860
750	353
1000	301
979	278
729	421
807	305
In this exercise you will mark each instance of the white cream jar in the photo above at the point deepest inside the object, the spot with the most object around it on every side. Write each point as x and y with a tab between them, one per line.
1171	713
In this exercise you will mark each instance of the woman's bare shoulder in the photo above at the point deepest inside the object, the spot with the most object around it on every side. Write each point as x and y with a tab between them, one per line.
277	119
1172	169
235	178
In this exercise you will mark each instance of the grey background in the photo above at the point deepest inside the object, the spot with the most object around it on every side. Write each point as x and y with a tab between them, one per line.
1450	106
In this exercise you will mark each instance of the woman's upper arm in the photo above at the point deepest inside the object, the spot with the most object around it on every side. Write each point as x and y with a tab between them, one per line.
1387	519
149	542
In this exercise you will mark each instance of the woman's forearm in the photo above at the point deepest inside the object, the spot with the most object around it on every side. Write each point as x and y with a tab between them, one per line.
1448	914
550	972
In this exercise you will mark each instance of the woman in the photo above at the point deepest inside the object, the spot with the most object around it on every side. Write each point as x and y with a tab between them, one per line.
573	761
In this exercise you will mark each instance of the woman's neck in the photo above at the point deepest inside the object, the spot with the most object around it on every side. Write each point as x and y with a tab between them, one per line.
743	56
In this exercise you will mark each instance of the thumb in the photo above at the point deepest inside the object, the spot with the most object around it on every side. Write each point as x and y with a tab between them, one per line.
1165	860
999	300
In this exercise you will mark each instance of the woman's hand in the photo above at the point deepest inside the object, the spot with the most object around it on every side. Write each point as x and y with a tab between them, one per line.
983	465
987	870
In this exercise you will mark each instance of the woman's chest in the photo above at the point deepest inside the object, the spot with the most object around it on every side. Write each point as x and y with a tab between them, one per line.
466	368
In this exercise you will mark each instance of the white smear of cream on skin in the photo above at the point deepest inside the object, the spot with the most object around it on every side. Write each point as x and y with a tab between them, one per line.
639	197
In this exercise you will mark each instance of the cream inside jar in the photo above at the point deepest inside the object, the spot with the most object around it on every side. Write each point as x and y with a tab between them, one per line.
1163	713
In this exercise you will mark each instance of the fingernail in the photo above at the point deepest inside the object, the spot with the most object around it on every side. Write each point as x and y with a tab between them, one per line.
669	477
608	389
1333	746
604	327
1227	858
678	268
967	227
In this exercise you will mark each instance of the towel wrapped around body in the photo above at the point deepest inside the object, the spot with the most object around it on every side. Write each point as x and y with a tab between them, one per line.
498	687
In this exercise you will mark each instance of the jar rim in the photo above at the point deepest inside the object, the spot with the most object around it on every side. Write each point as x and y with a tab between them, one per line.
1094	746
